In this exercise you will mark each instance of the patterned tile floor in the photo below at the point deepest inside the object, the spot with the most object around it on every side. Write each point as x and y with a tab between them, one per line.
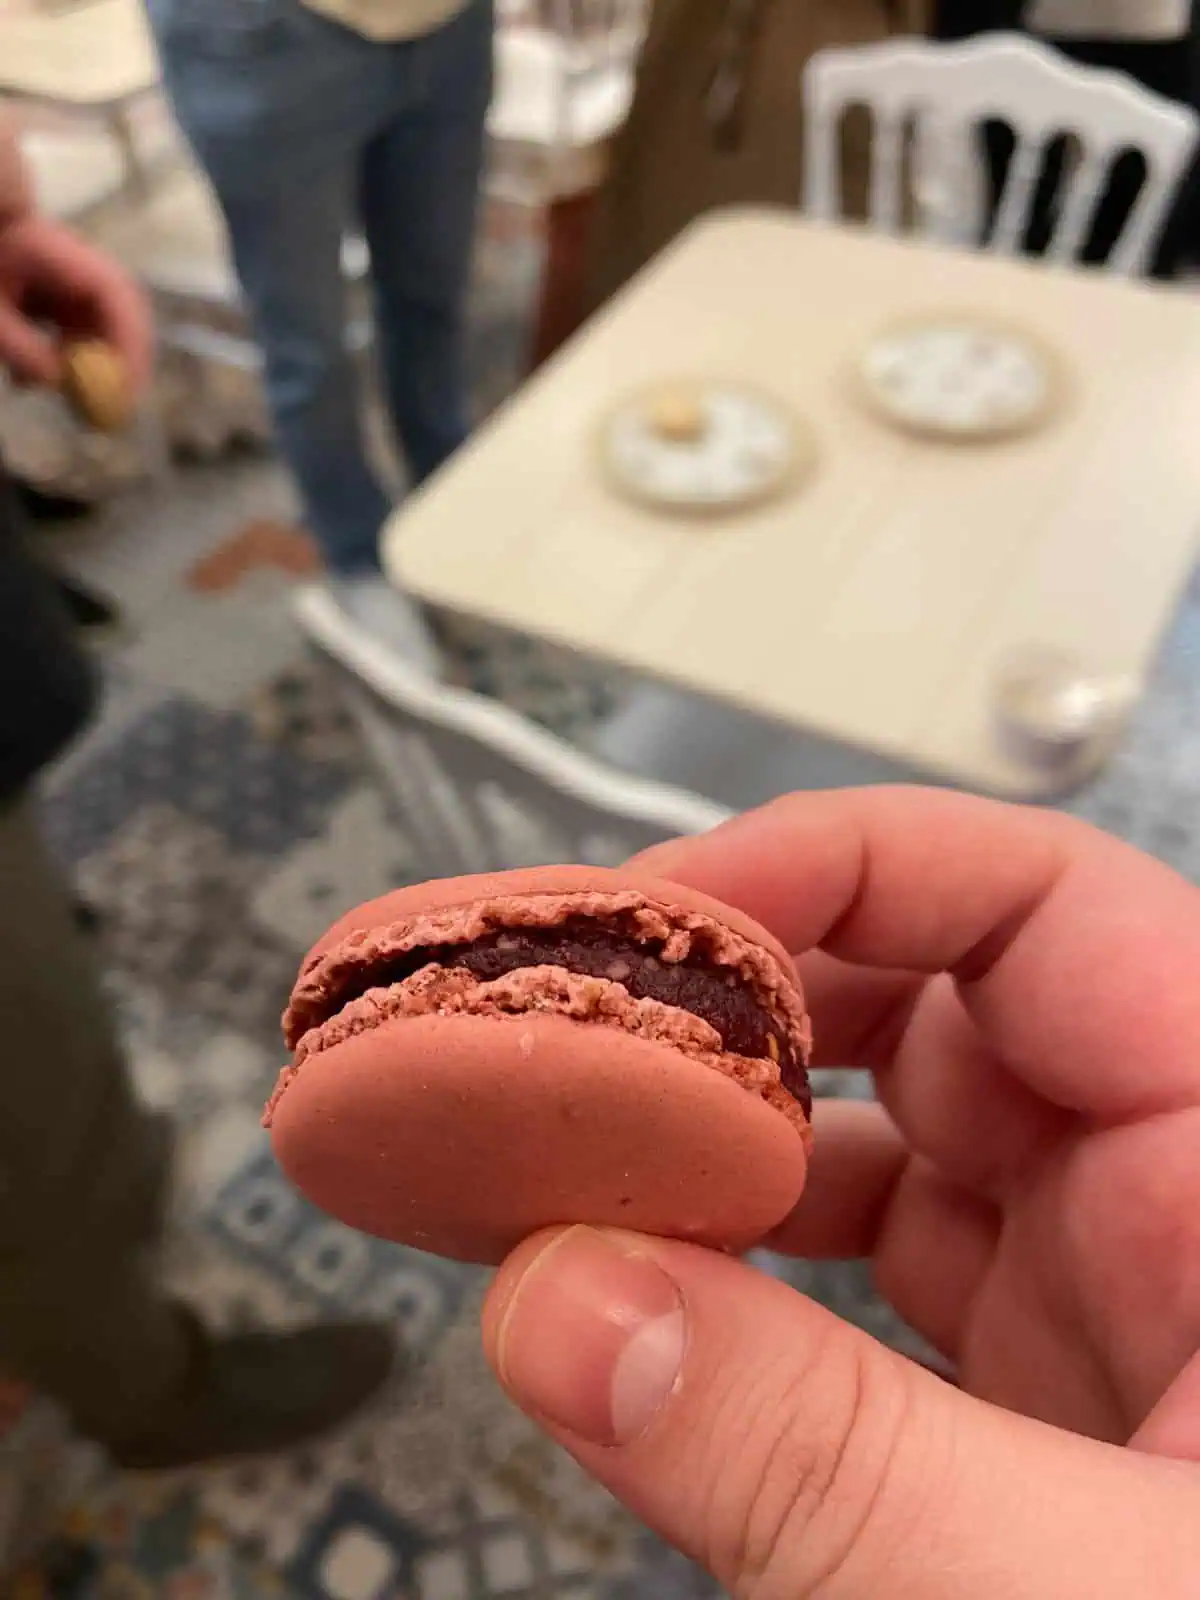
218	814
217	840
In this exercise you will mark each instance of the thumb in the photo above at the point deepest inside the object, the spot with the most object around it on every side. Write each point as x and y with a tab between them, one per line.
794	1457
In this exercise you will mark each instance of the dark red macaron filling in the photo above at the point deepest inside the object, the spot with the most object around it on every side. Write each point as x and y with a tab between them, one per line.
717	994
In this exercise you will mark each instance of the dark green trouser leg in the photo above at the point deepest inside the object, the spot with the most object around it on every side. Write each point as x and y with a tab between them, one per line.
82	1171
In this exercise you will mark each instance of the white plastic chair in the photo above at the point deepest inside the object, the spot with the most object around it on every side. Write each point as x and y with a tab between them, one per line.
74	169
479	788
564	86
81	163
947	92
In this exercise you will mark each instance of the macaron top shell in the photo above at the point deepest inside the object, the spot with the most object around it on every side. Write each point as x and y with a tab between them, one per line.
460	1081
442	893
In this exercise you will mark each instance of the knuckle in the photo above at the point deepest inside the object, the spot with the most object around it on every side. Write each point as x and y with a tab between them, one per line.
813	1455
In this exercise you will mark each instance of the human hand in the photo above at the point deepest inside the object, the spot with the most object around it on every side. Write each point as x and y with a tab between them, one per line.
1026	992
52	281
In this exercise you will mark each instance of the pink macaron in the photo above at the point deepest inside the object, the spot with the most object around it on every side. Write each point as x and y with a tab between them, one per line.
478	1058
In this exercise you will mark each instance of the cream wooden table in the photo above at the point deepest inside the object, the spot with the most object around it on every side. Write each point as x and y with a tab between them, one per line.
89	56
94	55
883	604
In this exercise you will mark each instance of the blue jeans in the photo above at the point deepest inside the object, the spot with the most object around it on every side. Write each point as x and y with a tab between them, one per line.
307	131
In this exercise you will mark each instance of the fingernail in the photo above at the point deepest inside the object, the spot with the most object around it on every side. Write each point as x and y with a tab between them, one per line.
593	1339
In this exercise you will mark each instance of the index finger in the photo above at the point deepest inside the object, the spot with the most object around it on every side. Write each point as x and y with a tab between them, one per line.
123	318
113	305
1077	956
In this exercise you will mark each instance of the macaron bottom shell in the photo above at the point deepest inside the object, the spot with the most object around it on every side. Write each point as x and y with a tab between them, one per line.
463	1135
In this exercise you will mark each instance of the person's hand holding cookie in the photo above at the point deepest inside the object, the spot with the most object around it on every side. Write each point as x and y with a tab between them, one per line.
70	316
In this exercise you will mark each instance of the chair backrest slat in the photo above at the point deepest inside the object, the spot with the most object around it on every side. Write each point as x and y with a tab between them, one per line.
1017	197
887	171
1084	192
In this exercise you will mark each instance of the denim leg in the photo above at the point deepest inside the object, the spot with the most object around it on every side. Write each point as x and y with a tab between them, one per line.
420	185
278	106
287	243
